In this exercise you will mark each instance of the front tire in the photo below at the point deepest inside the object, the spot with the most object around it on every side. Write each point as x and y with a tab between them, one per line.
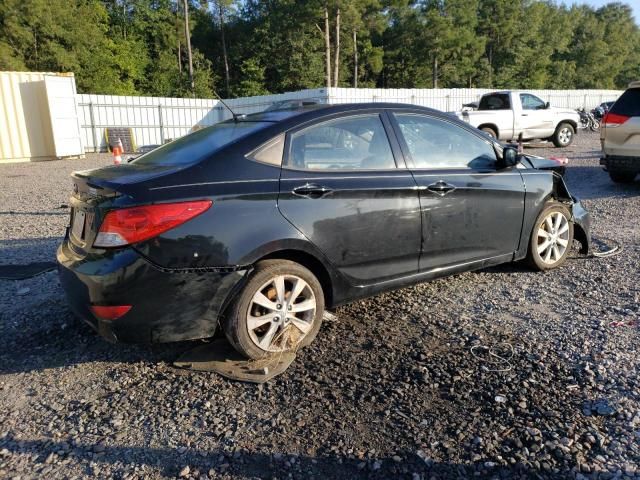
280	309
551	238
563	136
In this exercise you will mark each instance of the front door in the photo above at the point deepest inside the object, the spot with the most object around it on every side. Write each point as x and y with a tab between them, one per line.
535	120
470	210
342	188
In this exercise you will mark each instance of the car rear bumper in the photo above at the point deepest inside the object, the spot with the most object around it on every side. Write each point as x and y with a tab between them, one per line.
167	305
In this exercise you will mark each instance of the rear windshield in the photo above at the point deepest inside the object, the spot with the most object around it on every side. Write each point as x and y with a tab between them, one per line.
199	145
495	101
628	104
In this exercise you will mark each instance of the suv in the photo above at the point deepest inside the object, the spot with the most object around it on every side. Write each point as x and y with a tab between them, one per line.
620	136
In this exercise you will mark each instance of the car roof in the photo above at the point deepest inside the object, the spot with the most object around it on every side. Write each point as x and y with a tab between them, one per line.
506	92
319	110
635	84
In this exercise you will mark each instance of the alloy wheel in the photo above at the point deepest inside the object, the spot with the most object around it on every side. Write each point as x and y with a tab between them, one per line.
281	313
553	237
565	135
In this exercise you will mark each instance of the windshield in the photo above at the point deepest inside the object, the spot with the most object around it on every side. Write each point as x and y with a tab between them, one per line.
199	145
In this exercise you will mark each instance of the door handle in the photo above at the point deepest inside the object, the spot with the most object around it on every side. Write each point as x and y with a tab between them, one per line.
311	190
441	188
525	114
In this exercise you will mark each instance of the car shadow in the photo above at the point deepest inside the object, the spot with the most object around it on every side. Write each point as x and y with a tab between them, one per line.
243	463
592	183
23	251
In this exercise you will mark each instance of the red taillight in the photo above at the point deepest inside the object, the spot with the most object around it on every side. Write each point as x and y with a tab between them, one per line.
614	119
110	312
135	224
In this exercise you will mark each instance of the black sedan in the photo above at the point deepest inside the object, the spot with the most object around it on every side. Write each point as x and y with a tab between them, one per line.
259	223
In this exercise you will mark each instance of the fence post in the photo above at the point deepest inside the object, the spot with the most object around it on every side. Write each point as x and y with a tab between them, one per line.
161	122
96	146
448	97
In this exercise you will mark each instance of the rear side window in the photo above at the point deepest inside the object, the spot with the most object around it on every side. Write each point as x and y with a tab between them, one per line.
348	143
199	145
438	144
495	101
628	104
271	152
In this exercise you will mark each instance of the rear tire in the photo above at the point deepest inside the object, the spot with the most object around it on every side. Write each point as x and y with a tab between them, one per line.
563	136
621	176
490	131
280	309
551	237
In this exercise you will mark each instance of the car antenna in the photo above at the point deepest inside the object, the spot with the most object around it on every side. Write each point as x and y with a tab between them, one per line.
234	114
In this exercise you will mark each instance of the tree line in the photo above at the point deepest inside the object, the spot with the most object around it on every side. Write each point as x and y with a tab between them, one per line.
254	47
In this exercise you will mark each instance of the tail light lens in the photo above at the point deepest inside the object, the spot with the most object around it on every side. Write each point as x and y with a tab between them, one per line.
136	224
614	119
112	312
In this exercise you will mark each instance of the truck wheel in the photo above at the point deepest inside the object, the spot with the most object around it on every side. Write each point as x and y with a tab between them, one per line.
563	136
490	131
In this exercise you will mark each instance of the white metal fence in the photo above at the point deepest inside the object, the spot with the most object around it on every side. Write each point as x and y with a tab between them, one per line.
156	120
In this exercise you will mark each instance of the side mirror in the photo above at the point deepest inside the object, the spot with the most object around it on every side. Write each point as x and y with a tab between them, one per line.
509	157
547	105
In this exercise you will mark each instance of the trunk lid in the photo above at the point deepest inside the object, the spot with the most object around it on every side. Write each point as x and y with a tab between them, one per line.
97	191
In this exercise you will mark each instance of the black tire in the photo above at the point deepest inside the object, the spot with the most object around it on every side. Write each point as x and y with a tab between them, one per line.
564	134
534	256
620	176
235	323
490	131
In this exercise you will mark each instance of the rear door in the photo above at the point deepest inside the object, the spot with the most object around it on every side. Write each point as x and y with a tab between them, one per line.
345	187
535	120
471	211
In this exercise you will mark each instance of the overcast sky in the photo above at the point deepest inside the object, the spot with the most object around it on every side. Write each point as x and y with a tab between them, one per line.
635	5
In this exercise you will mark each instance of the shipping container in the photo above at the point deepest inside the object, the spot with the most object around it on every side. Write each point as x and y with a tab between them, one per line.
38	117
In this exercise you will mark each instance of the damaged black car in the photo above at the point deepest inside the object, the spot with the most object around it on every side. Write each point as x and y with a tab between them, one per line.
258	224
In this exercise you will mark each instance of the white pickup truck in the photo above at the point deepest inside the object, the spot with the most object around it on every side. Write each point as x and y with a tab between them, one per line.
507	114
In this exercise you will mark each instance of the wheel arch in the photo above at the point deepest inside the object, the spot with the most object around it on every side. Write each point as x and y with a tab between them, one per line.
312	263
573	123
492	126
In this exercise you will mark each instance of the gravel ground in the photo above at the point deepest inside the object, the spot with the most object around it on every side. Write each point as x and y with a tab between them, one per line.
501	373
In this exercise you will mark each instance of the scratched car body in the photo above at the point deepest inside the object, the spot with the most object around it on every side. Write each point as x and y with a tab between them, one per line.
258	224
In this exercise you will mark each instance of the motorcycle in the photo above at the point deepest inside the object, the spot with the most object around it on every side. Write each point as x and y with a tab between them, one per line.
588	120
600	111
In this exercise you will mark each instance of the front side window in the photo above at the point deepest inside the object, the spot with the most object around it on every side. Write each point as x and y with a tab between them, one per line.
349	143
435	143
531	102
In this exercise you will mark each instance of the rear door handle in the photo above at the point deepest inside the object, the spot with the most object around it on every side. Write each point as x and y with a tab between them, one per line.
441	187
311	190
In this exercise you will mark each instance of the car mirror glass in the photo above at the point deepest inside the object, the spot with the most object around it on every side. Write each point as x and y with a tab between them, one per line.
510	157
